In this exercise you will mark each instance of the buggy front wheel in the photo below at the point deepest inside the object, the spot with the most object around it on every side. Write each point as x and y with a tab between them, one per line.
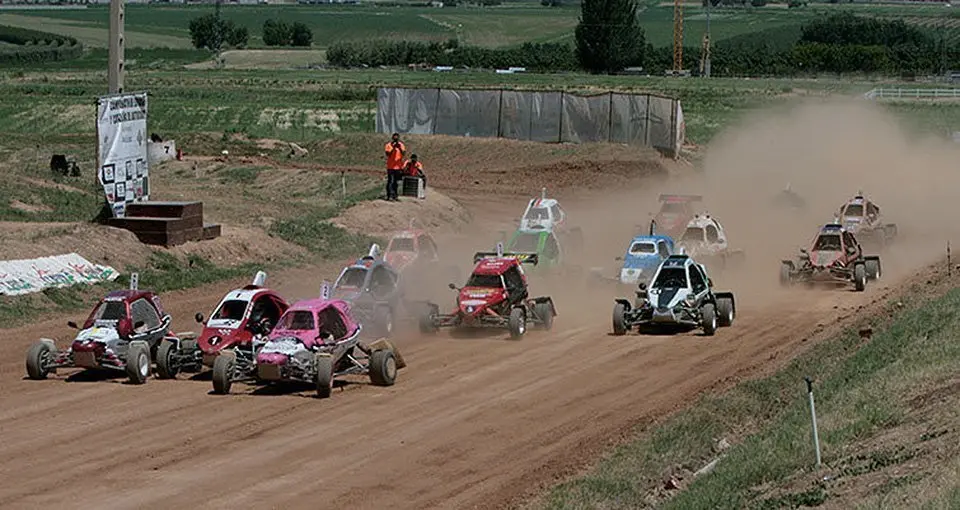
138	363
324	375
709	319
517	322
223	368
619	321
38	360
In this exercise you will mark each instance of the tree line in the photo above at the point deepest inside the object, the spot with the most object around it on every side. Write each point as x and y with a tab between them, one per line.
609	38
606	41
212	32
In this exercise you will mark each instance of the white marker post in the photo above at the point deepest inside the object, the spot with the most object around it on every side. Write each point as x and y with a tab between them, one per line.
813	417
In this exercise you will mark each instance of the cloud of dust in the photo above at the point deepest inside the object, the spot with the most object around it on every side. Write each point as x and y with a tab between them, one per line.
826	150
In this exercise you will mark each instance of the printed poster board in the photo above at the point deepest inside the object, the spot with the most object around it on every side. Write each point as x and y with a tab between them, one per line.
122	149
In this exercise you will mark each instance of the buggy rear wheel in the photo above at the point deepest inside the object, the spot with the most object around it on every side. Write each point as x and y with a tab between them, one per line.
427	326
544	313
784	275
166	366
382	367
39	356
725	312
517	322
709	319
138	363
383	321
619	319
859	277
324	375
224	367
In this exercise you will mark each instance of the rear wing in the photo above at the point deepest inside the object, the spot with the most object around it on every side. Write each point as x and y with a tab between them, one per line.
681	198
523	258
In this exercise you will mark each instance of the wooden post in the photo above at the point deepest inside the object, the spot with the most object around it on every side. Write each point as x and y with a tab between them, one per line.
116	48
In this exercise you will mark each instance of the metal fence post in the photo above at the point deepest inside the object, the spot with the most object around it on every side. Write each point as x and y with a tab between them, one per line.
646	124
436	112
610	119
813	417
560	124
500	116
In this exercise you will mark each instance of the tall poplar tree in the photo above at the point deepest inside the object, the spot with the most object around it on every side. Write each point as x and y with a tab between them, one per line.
609	38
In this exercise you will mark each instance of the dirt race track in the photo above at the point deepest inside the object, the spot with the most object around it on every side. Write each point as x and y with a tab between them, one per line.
476	422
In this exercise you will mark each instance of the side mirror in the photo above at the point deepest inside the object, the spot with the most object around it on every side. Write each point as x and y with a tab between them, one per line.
452	286
73	325
643	286
198	317
138	324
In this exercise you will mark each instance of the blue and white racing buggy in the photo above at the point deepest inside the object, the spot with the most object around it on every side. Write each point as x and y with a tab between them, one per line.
643	256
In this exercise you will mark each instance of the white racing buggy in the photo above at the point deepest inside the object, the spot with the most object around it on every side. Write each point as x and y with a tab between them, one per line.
705	240
545	215
861	216
680	295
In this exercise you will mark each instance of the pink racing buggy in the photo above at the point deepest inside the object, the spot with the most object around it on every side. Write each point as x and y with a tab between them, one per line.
315	341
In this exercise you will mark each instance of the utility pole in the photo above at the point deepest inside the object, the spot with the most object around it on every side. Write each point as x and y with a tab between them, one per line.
706	60
115	51
218	29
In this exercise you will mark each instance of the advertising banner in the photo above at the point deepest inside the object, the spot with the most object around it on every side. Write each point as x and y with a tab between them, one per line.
122	149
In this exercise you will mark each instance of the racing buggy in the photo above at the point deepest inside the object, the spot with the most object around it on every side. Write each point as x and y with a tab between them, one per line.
861	217
705	241
675	212
836	258
543	243
315	342
121	334
788	199
642	258
494	296
545	214
680	295
239	323
372	287
412	249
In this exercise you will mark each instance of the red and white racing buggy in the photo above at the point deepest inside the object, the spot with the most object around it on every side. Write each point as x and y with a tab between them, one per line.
836	257
495	296
121	334
242	319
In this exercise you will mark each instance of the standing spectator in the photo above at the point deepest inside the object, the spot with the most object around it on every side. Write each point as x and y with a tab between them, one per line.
394	151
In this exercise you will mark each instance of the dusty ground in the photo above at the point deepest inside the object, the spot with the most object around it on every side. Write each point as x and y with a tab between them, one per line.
473	422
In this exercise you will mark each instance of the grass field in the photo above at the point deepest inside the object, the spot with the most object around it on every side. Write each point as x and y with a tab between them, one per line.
304	105
887	410
512	23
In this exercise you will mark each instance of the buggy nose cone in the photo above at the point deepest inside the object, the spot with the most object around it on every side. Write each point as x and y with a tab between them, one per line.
664	315
271	358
